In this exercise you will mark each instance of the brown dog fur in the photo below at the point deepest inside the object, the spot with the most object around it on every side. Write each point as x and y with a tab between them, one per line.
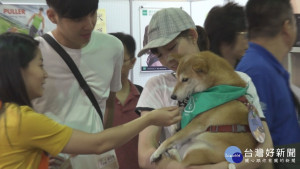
197	73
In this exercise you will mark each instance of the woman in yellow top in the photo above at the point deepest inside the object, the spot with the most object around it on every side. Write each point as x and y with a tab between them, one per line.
26	135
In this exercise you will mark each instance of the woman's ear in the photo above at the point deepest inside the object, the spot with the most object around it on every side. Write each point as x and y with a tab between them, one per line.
193	33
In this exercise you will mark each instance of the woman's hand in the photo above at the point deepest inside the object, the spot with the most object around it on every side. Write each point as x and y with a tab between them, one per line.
165	116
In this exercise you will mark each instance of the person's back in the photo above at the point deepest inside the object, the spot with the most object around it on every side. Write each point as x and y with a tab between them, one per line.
98	57
270	41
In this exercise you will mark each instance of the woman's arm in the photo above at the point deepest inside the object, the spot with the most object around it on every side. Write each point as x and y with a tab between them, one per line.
85	143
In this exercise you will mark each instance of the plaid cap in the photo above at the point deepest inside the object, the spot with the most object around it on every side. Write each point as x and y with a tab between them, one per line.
165	25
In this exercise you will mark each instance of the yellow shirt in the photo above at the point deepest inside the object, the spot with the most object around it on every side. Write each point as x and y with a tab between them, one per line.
26	135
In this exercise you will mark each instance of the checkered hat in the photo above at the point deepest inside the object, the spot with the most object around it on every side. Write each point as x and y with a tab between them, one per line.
165	26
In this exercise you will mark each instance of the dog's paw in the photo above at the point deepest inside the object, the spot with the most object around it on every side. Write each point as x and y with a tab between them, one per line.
174	154
155	157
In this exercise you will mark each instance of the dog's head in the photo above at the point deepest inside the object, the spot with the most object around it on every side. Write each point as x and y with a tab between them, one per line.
198	72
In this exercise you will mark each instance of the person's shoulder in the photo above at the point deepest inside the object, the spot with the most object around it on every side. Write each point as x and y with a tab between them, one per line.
105	36
15	110
43	44
39	38
108	39
243	75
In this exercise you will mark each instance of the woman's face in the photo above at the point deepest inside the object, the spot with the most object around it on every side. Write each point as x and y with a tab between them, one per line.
240	46
34	76
178	46
234	52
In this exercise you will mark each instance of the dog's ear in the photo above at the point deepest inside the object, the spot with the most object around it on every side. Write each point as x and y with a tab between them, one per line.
200	66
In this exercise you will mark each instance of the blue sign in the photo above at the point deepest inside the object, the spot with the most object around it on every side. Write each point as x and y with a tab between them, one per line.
233	154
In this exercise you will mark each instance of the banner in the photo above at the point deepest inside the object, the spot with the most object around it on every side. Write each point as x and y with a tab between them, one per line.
149	62
33	20
28	19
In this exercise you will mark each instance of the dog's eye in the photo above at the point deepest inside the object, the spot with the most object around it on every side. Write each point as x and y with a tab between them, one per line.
184	79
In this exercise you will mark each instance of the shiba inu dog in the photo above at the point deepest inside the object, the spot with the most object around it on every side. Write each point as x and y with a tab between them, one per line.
209	134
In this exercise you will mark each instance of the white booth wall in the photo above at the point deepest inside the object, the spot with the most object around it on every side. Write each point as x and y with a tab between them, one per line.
123	16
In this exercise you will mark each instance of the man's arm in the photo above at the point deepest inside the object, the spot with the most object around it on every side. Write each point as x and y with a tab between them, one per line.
109	111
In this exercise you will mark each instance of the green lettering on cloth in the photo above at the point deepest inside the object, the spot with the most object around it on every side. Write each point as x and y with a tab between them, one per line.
208	99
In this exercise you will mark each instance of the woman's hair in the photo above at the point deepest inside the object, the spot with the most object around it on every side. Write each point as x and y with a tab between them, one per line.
16	51
203	41
223	23
128	42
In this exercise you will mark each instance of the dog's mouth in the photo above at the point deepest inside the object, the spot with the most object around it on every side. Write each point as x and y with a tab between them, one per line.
183	103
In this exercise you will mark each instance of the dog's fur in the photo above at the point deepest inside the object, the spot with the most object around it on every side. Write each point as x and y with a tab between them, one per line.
197	73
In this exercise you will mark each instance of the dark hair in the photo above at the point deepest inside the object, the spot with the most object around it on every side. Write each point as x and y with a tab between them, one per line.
73	8
128	41
41	9
16	51
203	41
222	24
265	18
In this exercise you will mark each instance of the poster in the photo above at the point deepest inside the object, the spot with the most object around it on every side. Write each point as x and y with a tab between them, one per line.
297	42
32	19
149	62
101	21
28	19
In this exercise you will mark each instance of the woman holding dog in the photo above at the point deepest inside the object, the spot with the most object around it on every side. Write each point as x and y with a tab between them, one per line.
172	31
26	137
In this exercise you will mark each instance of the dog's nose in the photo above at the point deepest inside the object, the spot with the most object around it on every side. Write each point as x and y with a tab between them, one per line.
174	97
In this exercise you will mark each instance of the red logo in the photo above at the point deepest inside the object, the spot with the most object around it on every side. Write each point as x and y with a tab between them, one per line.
14	11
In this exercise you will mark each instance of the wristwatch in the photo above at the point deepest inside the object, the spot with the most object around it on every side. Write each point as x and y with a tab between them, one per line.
231	166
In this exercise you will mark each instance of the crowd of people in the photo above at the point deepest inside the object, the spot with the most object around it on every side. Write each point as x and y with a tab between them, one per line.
49	118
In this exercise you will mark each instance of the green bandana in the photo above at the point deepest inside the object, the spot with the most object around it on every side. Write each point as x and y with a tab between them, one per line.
208	99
